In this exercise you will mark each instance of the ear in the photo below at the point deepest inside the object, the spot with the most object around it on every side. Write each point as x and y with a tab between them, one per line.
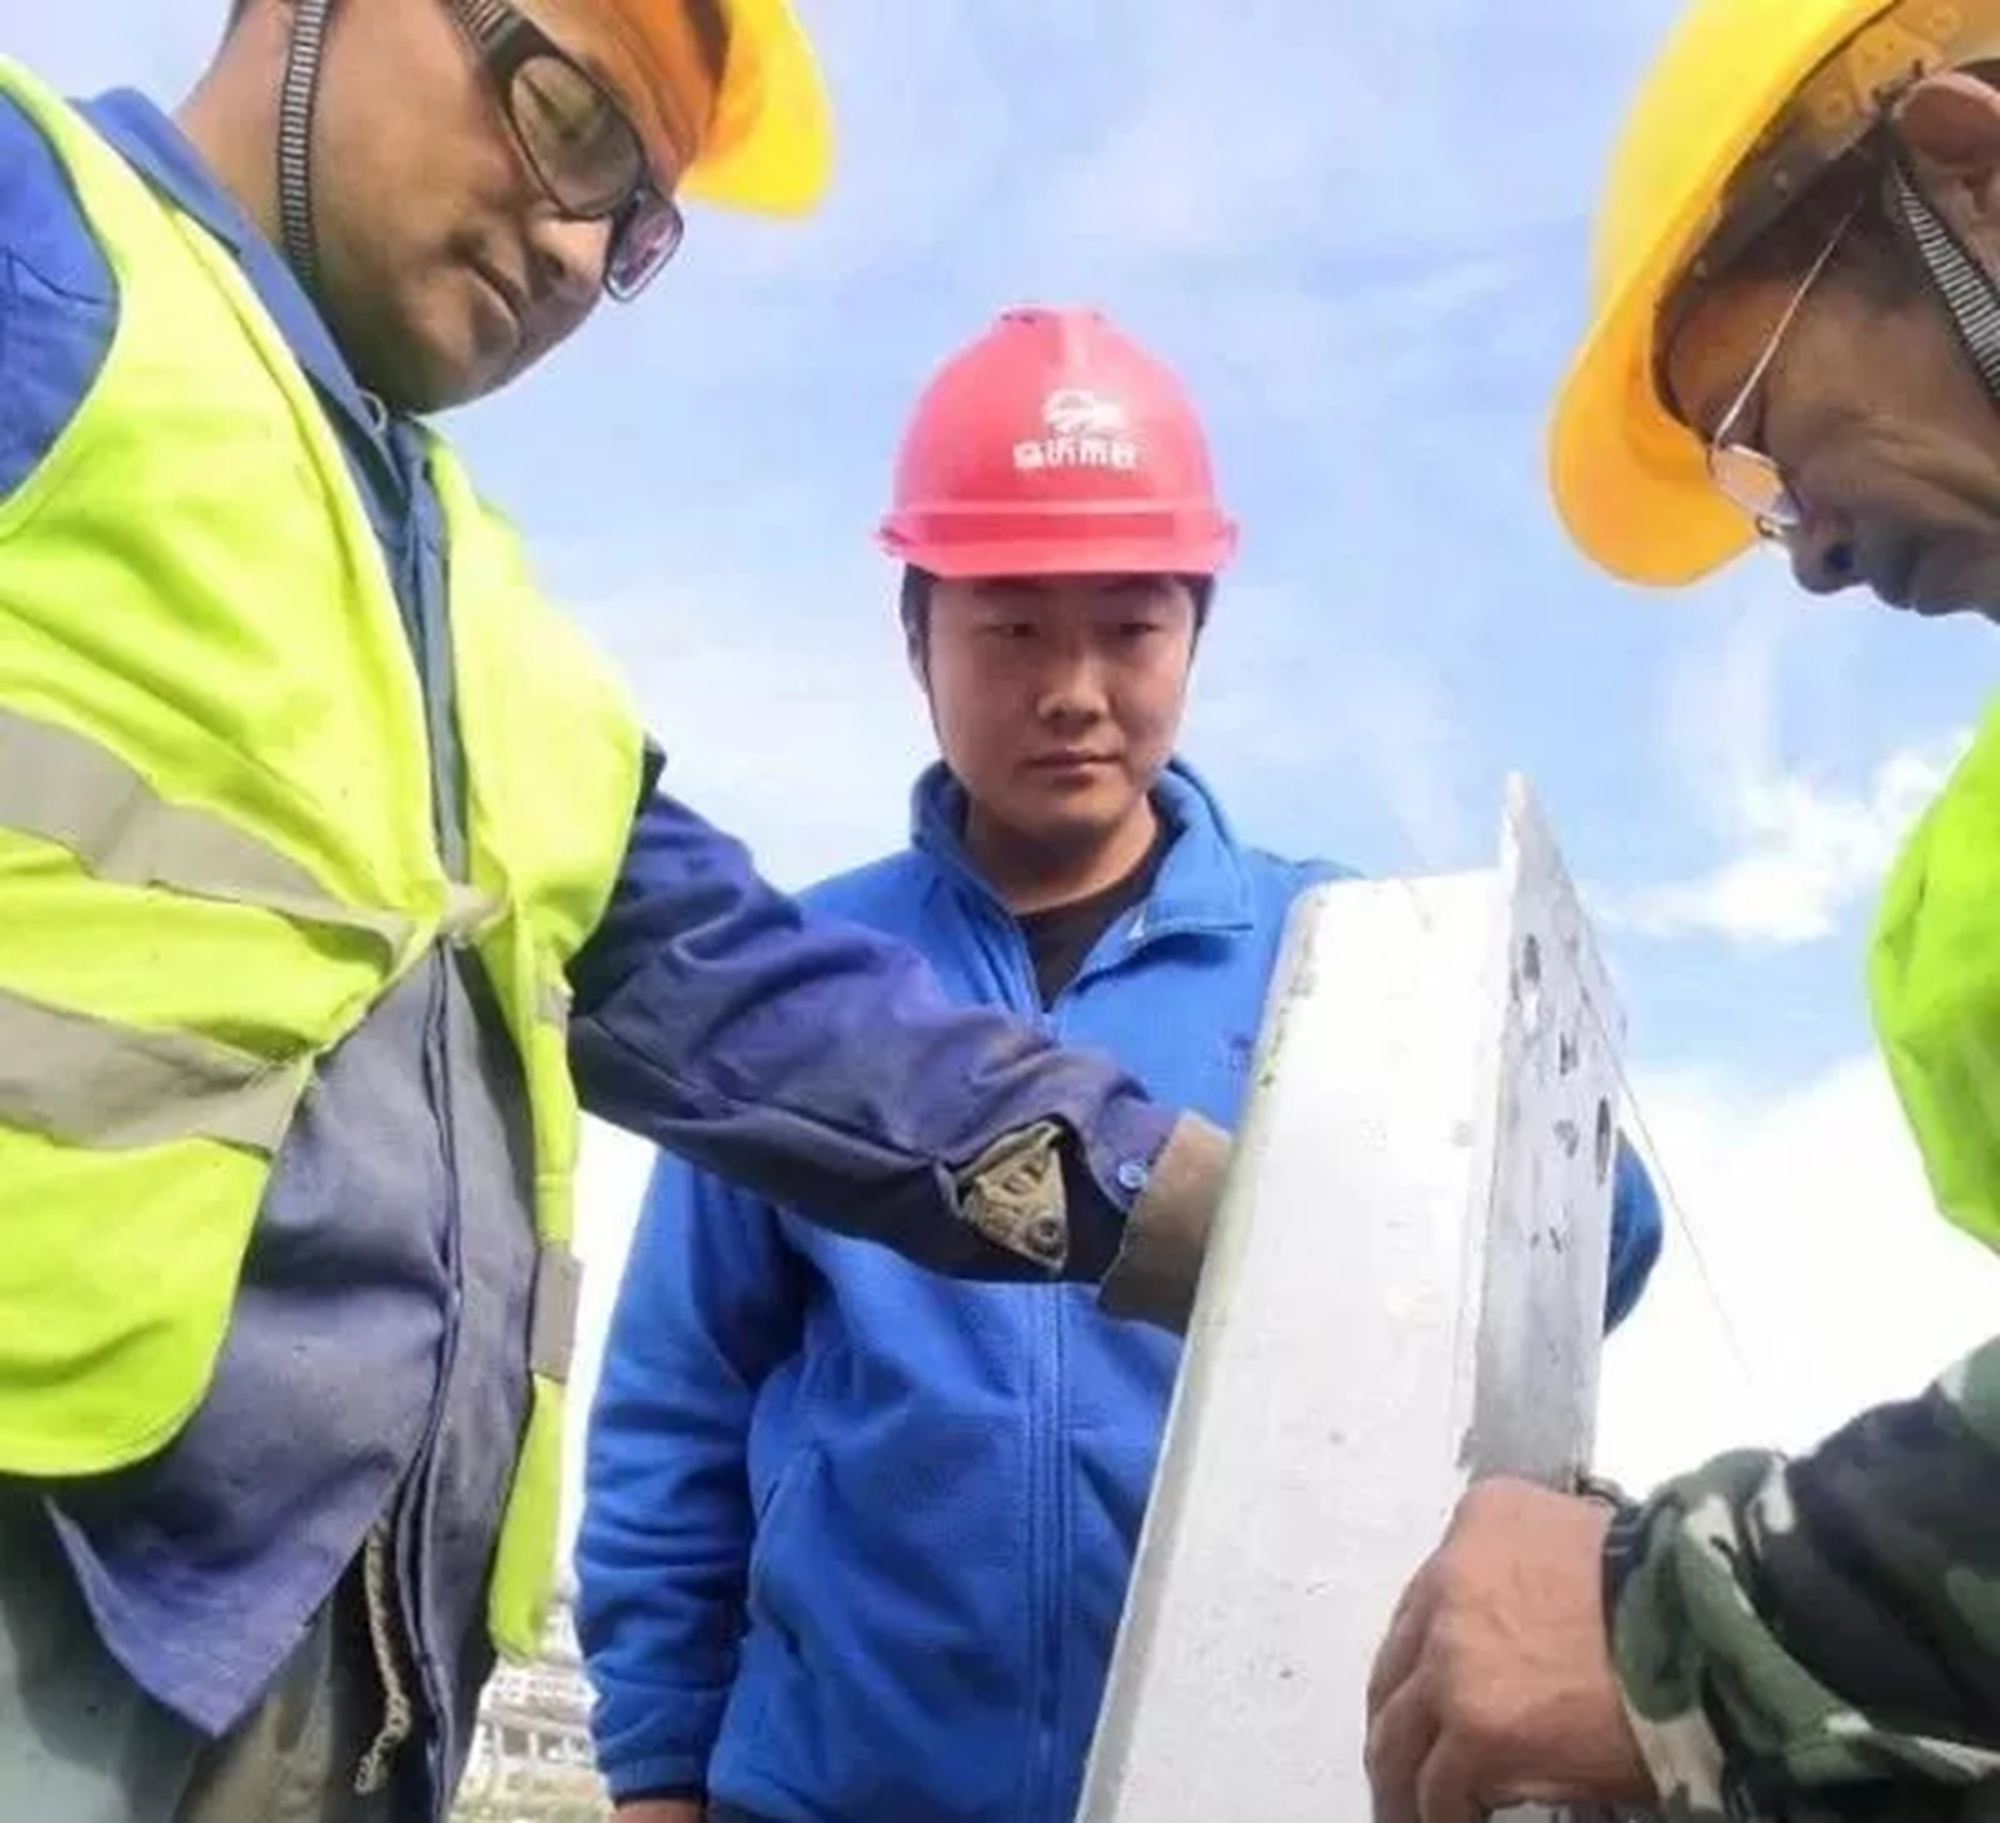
1949	124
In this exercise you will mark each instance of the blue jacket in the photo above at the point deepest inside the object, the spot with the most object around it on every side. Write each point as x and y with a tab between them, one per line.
855	1539
376	1344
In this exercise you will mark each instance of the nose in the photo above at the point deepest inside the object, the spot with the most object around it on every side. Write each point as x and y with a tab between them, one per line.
1073	694
1822	551
567	258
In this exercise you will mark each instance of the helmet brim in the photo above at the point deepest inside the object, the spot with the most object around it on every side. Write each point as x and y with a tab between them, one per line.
1631	482
1063	557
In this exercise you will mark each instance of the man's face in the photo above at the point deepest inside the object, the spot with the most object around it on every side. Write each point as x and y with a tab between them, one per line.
1884	434
1886	438
1057	700
446	269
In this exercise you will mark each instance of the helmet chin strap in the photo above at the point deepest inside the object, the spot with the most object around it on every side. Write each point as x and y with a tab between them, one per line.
1967	291
295	117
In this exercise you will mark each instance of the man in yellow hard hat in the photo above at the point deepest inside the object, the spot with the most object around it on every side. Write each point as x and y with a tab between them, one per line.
334	881
1797	288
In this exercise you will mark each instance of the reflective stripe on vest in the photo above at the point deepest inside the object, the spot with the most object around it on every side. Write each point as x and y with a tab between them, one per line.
90	1082
66	789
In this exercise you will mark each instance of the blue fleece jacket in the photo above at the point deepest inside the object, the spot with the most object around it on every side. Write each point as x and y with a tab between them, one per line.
856	1538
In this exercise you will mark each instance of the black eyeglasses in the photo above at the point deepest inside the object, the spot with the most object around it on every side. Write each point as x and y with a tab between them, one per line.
578	142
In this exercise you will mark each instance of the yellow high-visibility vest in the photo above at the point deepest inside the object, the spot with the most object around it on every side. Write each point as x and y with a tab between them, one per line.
1934	986
217	848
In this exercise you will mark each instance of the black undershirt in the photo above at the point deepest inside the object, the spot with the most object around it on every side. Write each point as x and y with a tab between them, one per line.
1060	938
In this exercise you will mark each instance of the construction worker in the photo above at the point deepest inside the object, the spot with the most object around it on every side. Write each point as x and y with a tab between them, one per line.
1797	295
333	877
855	1539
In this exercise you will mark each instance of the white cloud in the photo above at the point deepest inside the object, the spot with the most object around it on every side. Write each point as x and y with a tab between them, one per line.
1287	707
1808	853
784	703
1801	846
1832	1274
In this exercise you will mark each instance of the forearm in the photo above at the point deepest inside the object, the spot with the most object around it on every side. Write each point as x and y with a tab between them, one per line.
821	1066
1788	1628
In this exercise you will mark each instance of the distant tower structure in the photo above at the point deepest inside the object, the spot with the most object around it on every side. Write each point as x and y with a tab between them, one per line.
531	1758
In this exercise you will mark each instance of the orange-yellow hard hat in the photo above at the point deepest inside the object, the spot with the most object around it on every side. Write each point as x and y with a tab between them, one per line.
768	143
1746	103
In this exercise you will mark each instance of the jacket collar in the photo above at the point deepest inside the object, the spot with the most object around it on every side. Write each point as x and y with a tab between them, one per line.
1202	885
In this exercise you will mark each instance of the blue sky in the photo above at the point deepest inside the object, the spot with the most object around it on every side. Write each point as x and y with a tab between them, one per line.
1361	237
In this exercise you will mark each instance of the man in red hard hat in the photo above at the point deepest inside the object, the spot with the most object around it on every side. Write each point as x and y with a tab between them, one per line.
335	884
912	1613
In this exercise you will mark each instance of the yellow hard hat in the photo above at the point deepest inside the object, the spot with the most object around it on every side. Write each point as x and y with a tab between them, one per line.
1747	102
767	145
770	144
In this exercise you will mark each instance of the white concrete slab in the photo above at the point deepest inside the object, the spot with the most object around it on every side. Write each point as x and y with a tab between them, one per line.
1405	1289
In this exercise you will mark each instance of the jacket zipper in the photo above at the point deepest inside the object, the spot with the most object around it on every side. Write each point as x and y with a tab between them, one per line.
1116	945
1049	1523
428	631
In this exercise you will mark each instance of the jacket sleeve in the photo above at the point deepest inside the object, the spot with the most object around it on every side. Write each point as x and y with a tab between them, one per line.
821	1066
1819	1637
711	1300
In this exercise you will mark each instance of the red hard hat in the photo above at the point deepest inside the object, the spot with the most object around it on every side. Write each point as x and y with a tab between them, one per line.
1056	445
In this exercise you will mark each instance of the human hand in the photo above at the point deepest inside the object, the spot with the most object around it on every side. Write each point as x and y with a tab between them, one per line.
663	1810
1493	1685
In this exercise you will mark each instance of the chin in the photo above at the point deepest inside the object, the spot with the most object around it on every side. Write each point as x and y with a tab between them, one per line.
416	377
1079	826
447	355
1957	571
1973	591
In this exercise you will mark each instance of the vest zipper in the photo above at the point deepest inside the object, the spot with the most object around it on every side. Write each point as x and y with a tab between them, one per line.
420	1492
425	589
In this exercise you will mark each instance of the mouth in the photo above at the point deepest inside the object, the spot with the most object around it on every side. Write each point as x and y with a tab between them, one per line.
1891	574
1070	762
1933	574
512	298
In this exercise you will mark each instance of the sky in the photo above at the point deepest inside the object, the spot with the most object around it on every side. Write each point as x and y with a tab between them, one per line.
1359	234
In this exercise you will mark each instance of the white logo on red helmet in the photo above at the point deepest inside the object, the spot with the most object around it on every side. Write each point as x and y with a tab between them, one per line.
1082	429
